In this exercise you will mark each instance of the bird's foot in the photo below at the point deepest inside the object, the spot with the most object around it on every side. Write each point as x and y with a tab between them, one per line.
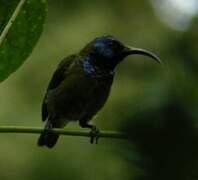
94	134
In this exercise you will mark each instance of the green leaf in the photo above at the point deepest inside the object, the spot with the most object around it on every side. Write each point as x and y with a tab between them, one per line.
23	33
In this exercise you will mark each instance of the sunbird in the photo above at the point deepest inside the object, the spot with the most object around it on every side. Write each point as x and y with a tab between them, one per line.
81	85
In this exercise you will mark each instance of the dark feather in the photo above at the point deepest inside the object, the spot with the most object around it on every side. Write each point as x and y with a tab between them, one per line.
44	111
48	138
57	78
59	74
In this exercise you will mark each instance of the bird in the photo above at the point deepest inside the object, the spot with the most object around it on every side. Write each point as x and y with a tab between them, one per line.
81	84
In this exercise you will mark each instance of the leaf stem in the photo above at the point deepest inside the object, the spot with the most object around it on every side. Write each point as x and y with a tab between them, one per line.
11	21
37	130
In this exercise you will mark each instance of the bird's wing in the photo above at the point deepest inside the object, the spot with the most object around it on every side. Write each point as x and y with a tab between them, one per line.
57	78
59	74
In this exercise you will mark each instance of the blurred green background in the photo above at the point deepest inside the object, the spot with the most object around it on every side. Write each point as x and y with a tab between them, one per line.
141	87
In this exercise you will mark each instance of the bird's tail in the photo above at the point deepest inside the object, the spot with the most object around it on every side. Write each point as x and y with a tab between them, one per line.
48	138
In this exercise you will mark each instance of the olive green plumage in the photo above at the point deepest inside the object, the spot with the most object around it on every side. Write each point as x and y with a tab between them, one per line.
72	96
81	84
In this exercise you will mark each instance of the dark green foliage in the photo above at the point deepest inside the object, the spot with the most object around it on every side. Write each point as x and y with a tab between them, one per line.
164	135
23	35
166	140
6	10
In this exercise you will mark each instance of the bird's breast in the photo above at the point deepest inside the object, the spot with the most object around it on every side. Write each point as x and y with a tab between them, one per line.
81	95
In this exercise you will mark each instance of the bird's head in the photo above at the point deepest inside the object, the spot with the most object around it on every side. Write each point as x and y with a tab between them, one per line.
107	52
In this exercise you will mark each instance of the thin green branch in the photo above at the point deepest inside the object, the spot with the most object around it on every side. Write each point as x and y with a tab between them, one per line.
37	130
11	21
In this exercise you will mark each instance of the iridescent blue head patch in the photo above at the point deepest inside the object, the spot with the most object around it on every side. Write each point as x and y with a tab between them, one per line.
103	46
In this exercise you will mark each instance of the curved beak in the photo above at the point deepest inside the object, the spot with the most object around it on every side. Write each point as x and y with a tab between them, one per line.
131	50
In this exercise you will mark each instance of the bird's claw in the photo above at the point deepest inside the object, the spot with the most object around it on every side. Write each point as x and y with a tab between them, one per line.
94	134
